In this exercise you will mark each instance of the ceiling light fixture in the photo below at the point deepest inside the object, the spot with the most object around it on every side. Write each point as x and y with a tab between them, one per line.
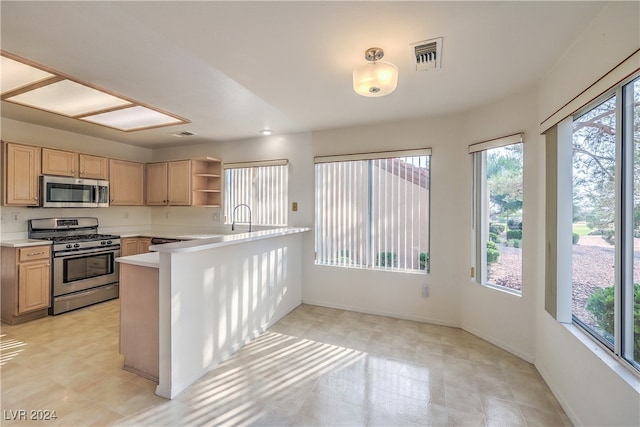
32	85
266	132
375	77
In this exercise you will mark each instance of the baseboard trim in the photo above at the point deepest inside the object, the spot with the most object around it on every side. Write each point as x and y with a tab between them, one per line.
382	313
498	343
558	395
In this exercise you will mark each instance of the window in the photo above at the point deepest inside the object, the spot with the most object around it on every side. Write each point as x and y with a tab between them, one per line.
263	186
372	211
606	221
497	213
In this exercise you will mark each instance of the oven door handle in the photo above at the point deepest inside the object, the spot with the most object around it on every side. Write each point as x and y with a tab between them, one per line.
86	251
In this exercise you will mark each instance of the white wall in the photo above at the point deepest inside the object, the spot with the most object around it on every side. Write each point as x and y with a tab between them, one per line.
216	300
511	326
399	294
605	42
26	133
453	298
588	388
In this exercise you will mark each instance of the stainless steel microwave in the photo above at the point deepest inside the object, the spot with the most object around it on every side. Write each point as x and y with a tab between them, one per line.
64	192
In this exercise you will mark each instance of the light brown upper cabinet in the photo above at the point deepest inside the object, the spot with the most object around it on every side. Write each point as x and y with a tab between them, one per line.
58	162
21	174
68	163
126	186
94	167
169	183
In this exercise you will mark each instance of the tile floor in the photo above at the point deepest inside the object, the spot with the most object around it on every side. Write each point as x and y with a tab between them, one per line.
317	366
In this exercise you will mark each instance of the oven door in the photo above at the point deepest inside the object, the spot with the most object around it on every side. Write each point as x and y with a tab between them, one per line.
86	269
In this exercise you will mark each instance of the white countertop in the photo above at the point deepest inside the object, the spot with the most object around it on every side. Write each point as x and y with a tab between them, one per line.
149	259
23	243
199	244
202	243
194	239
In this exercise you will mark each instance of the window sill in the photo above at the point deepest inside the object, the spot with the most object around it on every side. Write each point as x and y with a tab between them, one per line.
626	373
367	268
508	291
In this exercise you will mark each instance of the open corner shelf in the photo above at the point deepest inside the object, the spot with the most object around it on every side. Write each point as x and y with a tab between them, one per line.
206	182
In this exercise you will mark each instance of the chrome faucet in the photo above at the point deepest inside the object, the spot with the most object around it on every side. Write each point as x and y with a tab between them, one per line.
233	217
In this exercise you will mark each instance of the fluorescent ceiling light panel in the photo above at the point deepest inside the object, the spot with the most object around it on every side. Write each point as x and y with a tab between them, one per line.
132	118
15	75
31	86
68	98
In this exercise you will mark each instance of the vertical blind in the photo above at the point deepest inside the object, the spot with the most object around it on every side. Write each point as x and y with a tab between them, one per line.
373	212
263	186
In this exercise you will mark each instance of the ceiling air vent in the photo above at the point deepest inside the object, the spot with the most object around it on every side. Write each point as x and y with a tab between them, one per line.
427	54
183	133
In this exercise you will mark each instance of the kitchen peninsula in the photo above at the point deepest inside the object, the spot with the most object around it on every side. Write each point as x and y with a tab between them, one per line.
213	296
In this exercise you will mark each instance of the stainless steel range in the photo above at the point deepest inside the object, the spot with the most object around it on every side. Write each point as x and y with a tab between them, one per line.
84	270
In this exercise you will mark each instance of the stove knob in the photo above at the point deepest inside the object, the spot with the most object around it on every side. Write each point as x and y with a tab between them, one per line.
103	243
68	246
109	242
76	245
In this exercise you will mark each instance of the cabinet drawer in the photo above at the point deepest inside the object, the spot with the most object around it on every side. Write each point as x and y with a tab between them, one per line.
33	253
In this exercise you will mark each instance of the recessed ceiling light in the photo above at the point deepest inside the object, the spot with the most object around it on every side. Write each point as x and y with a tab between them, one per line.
29	84
266	132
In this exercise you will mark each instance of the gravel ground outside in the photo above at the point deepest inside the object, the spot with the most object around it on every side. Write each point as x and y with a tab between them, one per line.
593	268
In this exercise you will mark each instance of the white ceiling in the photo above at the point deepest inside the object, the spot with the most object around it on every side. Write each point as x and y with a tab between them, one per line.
233	68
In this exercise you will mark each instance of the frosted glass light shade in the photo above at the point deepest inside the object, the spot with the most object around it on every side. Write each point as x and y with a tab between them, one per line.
377	78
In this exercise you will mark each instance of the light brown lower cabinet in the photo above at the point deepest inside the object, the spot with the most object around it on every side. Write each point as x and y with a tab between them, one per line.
26	283
139	317
134	245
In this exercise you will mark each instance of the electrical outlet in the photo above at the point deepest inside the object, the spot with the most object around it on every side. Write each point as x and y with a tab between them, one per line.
294	206
126	215
15	216
216	217
425	290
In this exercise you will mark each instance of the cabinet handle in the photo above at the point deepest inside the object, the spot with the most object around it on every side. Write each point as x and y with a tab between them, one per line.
35	253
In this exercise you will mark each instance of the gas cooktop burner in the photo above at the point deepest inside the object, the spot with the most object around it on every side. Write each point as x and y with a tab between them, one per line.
82	237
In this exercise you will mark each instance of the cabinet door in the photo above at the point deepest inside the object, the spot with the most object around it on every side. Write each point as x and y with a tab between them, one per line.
179	183
128	246
94	167
126	184
143	244
156	174
58	162
33	286
22	171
